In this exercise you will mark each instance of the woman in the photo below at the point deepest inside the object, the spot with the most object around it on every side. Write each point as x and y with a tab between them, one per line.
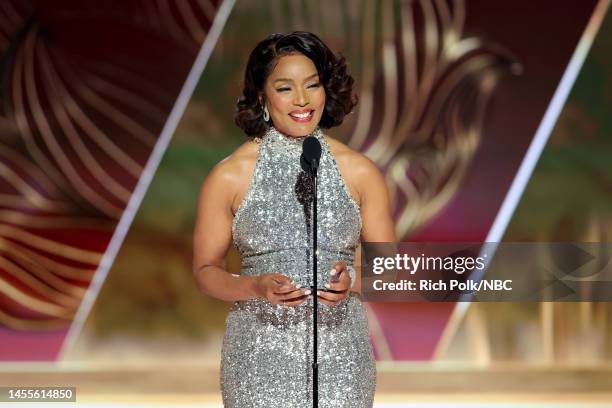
259	199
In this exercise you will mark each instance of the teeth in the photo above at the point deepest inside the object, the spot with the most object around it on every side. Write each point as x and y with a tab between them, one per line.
300	115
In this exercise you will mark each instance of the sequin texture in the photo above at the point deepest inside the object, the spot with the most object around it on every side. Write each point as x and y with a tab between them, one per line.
267	349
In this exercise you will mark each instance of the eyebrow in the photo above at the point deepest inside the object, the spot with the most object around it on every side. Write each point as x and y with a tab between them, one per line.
291	80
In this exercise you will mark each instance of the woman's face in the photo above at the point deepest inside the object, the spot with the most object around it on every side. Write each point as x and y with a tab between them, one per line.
294	95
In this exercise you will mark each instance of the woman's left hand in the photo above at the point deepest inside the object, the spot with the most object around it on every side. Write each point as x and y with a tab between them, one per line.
339	283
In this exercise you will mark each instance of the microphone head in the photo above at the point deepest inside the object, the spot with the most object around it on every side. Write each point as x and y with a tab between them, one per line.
311	148
311	154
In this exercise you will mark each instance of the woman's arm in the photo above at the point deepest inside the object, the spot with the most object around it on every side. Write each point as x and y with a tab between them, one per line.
212	238
377	222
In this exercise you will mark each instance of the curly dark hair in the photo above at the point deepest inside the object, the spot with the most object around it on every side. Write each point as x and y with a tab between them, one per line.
333	74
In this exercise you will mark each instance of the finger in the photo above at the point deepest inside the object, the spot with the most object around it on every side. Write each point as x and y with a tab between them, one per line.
335	275
342	283
294	294
282	282
280	278
340	286
337	271
296	301
277	277
281	300
327	302
330	296
286	288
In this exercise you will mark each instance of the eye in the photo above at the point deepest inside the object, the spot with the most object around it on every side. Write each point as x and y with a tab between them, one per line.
283	89
315	85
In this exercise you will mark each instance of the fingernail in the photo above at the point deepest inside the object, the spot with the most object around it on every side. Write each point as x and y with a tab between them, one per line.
333	271
307	292
298	286
318	292
327	285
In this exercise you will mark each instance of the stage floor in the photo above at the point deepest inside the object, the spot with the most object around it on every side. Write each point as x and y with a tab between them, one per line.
432	401
459	400
406	385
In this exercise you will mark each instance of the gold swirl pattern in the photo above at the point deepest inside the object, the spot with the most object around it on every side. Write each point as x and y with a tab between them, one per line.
423	91
421	112
80	116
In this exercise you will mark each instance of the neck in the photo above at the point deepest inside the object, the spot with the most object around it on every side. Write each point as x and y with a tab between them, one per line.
282	135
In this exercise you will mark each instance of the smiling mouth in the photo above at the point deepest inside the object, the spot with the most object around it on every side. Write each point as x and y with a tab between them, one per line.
305	116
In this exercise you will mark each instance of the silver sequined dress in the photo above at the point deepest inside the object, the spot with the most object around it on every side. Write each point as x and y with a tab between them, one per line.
267	349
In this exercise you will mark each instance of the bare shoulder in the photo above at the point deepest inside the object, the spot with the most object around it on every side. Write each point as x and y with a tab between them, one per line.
228	176
231	168
357	162
355	167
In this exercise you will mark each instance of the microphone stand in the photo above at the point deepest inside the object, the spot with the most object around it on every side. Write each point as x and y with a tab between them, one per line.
315	365
309	160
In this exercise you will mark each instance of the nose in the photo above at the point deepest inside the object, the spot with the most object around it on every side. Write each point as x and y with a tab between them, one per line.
300	98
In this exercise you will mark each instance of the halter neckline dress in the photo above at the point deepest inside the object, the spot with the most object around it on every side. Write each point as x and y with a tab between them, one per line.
267	349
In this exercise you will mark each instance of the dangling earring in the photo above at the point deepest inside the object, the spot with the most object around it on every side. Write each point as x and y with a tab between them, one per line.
266	114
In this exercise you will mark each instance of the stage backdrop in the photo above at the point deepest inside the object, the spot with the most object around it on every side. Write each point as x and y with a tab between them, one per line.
452	93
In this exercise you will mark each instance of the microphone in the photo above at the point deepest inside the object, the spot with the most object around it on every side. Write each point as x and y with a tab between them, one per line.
311	154
309	160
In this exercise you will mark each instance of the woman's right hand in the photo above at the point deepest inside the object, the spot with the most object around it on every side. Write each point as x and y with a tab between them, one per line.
278	289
